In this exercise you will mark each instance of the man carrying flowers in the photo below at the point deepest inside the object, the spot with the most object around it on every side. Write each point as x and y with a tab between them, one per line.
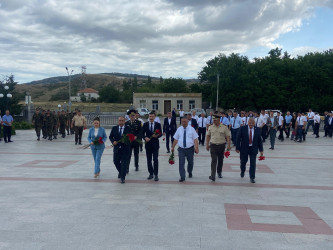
152	131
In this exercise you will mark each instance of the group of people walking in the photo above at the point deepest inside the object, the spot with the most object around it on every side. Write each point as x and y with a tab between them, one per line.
51	123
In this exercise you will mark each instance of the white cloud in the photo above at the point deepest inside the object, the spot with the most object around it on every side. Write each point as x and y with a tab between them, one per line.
169	38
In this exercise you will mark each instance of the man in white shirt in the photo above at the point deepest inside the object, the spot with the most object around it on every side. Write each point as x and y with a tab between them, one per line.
202	127
210	119
194	116
316	124
187	139
262	123
300	125
310	119
280	126
181	115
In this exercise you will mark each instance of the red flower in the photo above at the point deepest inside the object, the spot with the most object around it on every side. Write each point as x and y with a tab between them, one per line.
131	137
226	154
100	140
261	158
172	159
158	132
164	139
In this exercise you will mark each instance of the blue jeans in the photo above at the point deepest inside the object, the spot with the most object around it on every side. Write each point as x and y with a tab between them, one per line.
272	136
299	133
189	154
97	154
234	132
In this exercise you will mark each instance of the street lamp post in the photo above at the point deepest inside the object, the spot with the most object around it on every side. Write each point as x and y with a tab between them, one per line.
6	96
69	87
217	92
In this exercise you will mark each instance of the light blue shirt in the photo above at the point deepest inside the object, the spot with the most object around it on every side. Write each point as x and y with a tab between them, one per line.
224	120
288	118
235	124
7	118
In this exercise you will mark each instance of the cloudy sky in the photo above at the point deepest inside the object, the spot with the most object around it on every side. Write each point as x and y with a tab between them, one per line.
169	38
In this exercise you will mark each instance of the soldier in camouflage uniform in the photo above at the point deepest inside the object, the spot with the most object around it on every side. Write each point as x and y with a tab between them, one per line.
49	121
44	132
62	123
136	130
55	124
37	122
68	123
72	114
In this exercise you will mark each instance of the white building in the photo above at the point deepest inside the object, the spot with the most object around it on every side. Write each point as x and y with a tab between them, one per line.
165	102
88	93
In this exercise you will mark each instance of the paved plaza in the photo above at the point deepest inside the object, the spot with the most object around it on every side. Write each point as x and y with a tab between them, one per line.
50	200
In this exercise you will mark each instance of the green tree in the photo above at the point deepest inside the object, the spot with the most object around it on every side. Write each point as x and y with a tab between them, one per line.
109	94
174	85
10	102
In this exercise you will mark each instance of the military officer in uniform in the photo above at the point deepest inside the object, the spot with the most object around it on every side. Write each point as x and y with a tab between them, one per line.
55	124
217	136
44	132
48	120
136	130
37	122
62	123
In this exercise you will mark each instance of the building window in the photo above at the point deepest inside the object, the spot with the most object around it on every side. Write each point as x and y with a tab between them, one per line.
143	104
192	104
155	105
179	104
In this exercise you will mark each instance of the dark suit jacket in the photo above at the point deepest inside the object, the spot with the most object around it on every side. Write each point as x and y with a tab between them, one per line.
154	142
170	128
115	136
327	117
242	141
194	123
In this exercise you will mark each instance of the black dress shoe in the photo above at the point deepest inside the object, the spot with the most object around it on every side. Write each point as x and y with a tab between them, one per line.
220	175
253	181
242	174
211	178
190	175
75	143
168	152
181	179
150	177
122	181
10	141
136	168
156	178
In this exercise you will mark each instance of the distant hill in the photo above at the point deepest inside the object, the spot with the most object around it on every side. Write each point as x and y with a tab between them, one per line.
43	90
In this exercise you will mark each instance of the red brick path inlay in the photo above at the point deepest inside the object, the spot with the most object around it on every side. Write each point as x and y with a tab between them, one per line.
36	164
238	219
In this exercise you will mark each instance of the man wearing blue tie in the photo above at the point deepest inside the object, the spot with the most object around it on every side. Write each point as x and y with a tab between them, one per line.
248	144
121	151
187	139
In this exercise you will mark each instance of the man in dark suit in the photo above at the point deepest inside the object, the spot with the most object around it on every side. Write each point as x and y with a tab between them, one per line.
326	125
192	122
169	129
248	143
151	132
121	151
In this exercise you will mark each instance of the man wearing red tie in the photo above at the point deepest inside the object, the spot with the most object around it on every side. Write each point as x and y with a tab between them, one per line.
248	143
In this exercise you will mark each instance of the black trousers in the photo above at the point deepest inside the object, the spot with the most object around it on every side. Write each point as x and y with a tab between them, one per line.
264	131
78	134
167	137
152	154
38	129
202	135
281	137
7	132
316	129
217	155
287	130
120	159
244	156
134	147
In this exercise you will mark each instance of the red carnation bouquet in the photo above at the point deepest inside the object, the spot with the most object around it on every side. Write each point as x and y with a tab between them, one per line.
157	132
227	154
96	141
172	159
128	138
261	158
